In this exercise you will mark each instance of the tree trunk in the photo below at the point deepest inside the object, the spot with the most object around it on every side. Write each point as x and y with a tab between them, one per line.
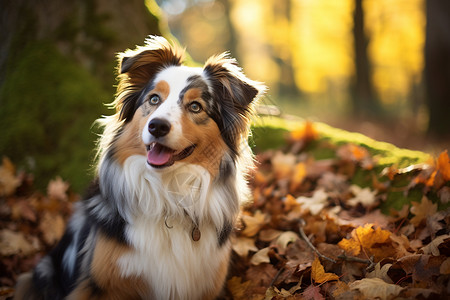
437	66
364	101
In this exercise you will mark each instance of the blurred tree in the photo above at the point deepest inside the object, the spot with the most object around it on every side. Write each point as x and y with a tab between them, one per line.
437	65
364	101
283	13
57	61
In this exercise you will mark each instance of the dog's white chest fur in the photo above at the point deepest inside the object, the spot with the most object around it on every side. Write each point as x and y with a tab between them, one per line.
160	231
175	266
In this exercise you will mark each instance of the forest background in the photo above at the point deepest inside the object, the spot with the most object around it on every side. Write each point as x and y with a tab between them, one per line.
378	67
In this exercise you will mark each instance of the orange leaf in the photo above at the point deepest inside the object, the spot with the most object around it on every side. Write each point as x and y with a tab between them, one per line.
443	165
307	133
318	272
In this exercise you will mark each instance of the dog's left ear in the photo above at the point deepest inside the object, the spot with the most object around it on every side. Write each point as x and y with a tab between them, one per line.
230	83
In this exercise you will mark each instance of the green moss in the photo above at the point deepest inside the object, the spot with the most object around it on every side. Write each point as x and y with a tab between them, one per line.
275	129
48	106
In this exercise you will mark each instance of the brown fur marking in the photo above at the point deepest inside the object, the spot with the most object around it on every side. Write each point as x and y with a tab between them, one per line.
106	274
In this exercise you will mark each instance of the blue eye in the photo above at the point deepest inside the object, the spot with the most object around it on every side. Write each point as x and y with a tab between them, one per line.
195	107
154	100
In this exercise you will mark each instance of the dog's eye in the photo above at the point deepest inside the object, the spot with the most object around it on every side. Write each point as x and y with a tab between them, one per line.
195	107
154	100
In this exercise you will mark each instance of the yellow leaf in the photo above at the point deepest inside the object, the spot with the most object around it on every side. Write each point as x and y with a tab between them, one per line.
253	223
375	288
298	176
422	210
318	272
367	237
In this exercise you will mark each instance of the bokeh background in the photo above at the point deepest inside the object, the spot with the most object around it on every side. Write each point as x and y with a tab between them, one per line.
379	67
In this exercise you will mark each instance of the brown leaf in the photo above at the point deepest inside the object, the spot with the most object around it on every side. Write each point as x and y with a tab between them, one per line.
313	292
253	223
57	189
262	256
238	289
8	180
242	245
422	210
14	243
52	227
432	247
375	288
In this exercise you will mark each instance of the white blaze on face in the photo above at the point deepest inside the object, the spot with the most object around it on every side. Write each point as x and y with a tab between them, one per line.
170	109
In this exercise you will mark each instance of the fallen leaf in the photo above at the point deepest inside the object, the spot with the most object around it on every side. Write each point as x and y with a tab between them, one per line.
242	245
443	165
366	237
432	247
52	227
268	235
381	273
57	189
284	240
8	179
445	267
253	223
318	272
375	288
14	243
315	203
262	256
313	292
307	133
299	174
362	195
283	164
238	288
422	210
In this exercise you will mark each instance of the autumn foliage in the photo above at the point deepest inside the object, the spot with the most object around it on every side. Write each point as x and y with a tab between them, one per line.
311	232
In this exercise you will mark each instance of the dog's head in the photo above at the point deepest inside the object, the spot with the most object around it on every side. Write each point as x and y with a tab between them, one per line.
172	113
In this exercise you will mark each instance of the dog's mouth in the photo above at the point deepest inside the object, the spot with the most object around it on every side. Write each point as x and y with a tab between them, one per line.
160	156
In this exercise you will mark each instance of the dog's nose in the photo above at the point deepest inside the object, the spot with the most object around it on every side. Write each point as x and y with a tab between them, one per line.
159	127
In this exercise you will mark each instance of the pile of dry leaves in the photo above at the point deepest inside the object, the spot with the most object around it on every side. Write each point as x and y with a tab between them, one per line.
310	233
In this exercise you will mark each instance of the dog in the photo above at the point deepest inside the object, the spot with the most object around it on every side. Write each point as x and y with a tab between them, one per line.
170	178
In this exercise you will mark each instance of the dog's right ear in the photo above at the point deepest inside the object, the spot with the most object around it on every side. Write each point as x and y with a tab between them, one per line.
138	67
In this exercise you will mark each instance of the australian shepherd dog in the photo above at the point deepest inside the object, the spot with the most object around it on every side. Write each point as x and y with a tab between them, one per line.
171	176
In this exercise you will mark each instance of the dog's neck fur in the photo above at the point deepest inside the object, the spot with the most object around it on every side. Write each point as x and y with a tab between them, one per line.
185	193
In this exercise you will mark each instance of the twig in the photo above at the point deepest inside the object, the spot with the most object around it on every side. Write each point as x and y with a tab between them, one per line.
369	262
277	275
305	237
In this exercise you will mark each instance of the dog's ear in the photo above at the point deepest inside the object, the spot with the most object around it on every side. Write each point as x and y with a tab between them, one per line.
138	67
230	82
235	95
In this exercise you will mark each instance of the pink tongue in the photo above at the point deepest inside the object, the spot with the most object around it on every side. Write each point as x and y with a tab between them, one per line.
159	155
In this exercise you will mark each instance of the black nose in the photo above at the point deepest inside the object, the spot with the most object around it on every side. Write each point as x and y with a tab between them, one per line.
159	127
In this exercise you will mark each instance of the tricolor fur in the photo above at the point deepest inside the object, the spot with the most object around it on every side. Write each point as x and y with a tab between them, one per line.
170	179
